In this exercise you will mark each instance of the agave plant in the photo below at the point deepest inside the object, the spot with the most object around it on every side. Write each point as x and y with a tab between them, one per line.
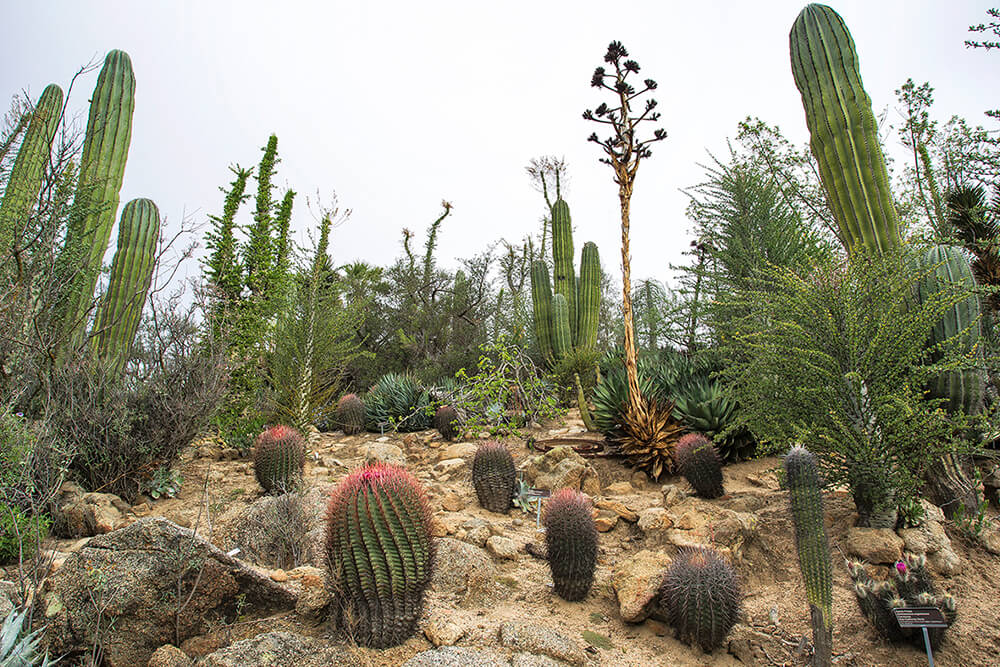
704	407
398	401
19	648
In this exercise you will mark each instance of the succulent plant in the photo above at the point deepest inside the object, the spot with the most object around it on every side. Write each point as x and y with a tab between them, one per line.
278	459
397	401
704	407
813	546
19	645
350	415
446	422
701	596
494	476
380	553
698	461
571	538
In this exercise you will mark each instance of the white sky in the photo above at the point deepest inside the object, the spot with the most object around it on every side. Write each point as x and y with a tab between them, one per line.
398	105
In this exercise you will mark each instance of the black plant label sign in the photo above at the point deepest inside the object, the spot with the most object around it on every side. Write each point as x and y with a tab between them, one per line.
920	617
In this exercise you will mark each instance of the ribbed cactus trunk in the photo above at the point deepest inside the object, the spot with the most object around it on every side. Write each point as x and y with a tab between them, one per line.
131	274
541	302
25	180
813	547
102	168
843	131
563	274
561	336
588	298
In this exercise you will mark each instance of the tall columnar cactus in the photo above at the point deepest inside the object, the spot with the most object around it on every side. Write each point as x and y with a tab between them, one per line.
446	422
131	274
571	537
588	298
350	415
561	336
563	274
701	596
278	459
842	128
95	205
698	461
813	547
541	302
494	476
25	179
380	553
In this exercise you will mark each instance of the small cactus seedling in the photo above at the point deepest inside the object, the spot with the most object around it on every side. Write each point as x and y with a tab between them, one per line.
571	537
446	422
351	414
494	476
701	596
278	459
699	463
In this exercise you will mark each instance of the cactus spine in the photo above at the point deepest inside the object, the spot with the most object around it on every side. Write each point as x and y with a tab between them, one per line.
842	129
699	463
571	537
25	180
561	337
813	547
541	302
380	553
278	459
350	414
131	274
494	476
701	596
588	298
95	206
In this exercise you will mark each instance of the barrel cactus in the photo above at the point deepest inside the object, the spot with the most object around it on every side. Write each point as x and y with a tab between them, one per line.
446	422
571	537
494	476
813	546
380	553
698	461
701	596
278	459
350	415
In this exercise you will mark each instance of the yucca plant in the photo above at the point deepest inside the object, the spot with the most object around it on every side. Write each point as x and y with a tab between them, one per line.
398	402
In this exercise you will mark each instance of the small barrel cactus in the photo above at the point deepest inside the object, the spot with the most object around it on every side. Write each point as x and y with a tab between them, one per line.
446	422
698	461
701	596
380	553
571	537
351	414
494	476
279	455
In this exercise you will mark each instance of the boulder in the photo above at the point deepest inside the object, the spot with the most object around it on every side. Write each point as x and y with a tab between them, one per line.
930	539
502	547
440	630
540	639
384	452
126	583
76	513
560	468
636	582
457	656
464	570
169	655
280	649
875	545
459	450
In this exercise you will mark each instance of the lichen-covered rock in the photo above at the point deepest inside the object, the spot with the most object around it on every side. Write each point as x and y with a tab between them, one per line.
384	452
930	539
636	581
440	630
875	545
280	649
458	656
536	638
464	570
562	468
76	513
169	655
502	547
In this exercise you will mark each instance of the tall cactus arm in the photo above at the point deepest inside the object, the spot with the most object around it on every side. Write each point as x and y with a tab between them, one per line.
561	338
588	298
563	274
541	301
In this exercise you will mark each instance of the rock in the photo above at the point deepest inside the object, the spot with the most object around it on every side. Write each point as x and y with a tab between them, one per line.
277	531
875	545
502	547
457	656
463	569
532	660
639	480
930	539
76	513
477	535
605	521
931	511
560	468
672	495
279	575
535	638
618	508
990	539
441	631
132	574
314	597
8	598
687	521
280	649
169	656
447	467
618	489
636	581
742	651
459	450
654	523
452	502
383	452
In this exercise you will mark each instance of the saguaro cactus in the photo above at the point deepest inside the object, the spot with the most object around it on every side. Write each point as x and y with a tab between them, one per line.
131	274
813	547
563	274
842	129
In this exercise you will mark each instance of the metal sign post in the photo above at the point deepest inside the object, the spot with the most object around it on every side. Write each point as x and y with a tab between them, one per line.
537	495
923	618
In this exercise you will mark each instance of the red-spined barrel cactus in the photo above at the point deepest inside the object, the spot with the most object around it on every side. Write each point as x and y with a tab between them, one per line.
701	596
494	476
278	458
446	422
380	553
350	414
571	537
699	463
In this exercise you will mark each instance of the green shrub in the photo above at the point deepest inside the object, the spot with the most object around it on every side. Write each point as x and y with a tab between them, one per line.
20	534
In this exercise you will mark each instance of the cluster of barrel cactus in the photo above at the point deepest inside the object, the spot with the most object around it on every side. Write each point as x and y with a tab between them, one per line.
571	538
350	414
446	422
566	319
494	476
278	459
380	553
699	462
701	596
909	585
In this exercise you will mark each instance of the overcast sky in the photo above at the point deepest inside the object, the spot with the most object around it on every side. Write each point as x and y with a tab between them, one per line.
397	105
